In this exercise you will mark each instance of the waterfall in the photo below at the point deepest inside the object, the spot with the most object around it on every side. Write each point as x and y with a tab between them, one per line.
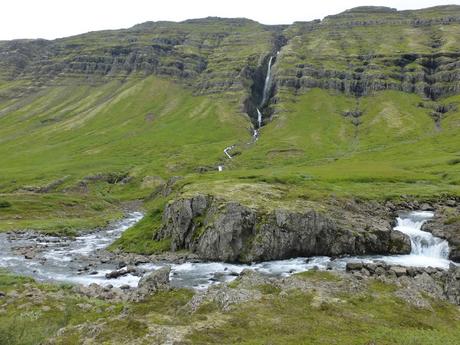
259	118
423	243
267	82
265	95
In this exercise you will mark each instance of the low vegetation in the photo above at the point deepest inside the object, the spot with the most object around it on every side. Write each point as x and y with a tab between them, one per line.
34	312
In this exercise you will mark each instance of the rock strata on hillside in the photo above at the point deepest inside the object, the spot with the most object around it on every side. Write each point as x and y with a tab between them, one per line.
357	52
229	231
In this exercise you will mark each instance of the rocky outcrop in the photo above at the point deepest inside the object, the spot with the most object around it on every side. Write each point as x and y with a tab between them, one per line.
379	15
215	229
156	281
452	284
441	283
431	76
446	224
200	53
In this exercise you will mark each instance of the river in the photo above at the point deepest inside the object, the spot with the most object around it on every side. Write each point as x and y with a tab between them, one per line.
61	260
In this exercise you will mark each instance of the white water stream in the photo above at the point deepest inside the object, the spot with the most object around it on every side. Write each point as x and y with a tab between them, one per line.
427	250
259	119
62	260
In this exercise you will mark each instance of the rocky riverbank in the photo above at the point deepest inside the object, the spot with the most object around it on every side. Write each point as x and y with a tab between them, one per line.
411	282
239	311
443	284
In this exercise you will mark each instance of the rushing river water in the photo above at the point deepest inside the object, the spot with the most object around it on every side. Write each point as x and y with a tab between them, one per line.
62	260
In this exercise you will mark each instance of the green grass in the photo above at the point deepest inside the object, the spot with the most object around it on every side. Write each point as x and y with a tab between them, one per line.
56	213
106	130
141	237
367	319
76	146
292	317
29	320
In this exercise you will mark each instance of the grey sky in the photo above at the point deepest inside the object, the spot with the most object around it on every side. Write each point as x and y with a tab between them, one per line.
58	18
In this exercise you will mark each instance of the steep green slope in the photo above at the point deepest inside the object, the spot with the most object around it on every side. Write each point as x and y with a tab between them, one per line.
361	104
151	124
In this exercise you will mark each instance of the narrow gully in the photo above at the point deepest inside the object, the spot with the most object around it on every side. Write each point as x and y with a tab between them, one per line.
260	116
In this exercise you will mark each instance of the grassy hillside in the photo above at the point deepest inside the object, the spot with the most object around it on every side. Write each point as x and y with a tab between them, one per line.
364	104
141	130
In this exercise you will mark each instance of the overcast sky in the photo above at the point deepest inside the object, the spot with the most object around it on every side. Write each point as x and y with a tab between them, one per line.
59	18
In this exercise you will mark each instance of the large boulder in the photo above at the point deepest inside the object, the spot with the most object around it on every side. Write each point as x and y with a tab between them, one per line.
399	243
156	281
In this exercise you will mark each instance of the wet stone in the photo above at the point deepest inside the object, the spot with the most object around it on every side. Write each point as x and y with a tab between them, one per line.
354	266
398	270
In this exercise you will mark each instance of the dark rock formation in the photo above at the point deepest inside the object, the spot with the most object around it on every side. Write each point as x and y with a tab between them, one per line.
228	231
446	224
121	272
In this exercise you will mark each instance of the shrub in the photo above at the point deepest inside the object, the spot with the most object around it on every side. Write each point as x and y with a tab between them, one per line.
5	204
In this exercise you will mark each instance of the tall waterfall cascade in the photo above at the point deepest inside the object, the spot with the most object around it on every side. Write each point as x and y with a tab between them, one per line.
265	94
260	116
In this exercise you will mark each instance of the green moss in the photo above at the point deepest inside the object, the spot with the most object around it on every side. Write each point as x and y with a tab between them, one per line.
166	303
268	289
319	276
200	227
124	330
452	220
27	320
381	287
234	284
372	315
